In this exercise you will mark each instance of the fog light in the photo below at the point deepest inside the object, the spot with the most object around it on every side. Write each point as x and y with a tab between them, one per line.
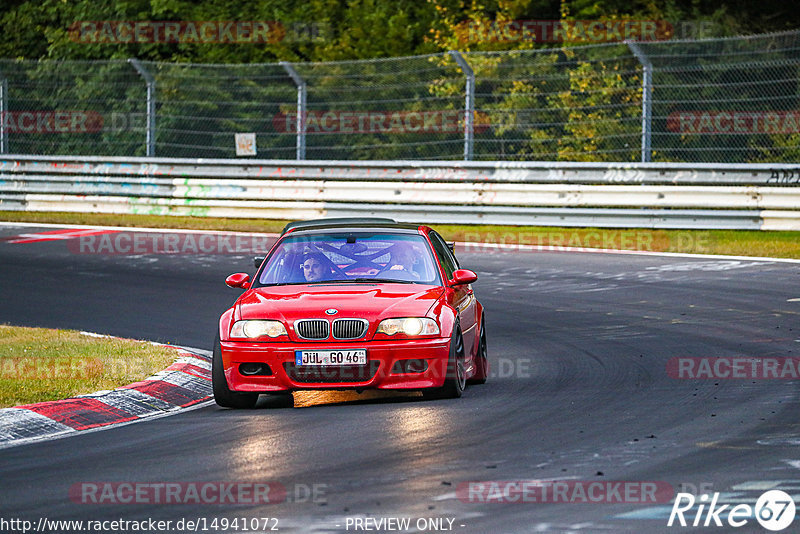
253	368
415	366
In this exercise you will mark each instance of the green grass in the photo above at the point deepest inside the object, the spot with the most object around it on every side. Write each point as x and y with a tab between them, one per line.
733	242
38	364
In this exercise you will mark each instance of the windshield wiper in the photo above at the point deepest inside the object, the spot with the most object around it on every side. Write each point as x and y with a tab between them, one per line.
294	283
359	280
365	279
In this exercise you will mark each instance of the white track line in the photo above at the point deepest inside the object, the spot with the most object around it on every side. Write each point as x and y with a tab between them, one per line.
131	229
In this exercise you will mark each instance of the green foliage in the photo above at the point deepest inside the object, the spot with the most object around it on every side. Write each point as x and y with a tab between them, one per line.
351	29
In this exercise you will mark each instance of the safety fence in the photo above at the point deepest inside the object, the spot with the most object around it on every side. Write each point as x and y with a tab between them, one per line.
728	100
650	195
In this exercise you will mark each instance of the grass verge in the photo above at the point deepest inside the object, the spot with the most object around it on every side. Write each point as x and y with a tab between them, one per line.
728	242
39	364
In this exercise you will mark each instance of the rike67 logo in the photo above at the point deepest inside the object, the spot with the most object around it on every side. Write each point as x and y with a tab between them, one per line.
774	510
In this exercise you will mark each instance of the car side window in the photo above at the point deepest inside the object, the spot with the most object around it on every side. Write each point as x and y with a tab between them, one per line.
446	257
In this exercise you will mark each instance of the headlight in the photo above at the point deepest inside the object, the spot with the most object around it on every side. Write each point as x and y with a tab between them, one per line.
254	329
410	326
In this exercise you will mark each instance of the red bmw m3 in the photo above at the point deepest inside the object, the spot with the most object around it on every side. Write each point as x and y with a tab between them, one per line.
351	304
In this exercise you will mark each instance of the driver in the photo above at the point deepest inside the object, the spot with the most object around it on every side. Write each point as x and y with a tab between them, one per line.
402	259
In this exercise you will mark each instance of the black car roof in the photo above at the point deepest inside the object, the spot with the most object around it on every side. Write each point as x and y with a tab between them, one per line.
348	222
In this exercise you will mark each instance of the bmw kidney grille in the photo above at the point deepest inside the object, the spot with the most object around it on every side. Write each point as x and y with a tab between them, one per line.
319	329
312	328
349	328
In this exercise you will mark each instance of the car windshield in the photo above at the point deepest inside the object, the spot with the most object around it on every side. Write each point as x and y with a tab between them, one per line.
350	257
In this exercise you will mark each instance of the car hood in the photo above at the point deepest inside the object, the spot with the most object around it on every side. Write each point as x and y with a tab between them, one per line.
368	301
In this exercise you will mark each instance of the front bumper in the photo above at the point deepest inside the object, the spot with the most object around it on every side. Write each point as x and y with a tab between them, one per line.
380	372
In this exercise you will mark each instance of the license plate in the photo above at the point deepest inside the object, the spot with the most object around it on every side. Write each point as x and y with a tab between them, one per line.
330	357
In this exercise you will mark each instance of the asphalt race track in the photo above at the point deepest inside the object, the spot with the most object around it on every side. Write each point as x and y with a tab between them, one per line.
579	346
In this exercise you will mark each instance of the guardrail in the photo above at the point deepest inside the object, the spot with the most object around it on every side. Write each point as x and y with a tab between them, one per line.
653	195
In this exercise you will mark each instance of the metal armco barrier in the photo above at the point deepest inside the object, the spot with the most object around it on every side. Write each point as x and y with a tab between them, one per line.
624	195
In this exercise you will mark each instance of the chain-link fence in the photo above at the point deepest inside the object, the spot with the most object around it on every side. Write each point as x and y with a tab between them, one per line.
717	100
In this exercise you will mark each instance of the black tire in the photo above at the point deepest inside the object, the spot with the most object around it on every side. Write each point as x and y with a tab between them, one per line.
223	396
482	361
455	380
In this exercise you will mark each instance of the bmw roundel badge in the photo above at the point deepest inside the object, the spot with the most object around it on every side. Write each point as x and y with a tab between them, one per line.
331	311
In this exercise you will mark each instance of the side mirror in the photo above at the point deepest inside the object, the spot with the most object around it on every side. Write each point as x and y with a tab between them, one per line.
238	280
258	260
463	276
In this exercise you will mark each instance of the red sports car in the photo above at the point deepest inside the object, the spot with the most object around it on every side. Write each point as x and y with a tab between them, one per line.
351	304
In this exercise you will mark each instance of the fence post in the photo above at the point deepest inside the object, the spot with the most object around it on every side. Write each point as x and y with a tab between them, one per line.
151	105
3	113
301	108
469	104
647	97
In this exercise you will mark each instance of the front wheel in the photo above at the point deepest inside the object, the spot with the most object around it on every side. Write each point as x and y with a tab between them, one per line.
481	361
456	379
223	396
